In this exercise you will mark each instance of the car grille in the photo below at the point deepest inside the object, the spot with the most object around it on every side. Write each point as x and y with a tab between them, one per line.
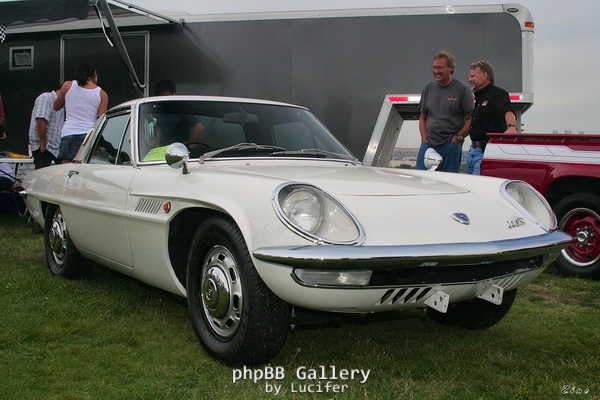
454	274
408	295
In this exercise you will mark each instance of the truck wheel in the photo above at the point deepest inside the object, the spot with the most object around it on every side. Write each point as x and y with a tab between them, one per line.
62	256
579	216
237	319
474	314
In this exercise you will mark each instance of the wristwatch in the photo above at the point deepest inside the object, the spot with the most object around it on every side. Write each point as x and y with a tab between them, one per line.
511	124
460	138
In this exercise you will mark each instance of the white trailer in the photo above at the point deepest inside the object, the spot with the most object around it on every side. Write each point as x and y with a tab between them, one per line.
397	108
342	64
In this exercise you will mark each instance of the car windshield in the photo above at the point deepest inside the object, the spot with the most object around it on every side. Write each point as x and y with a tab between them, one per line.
217	129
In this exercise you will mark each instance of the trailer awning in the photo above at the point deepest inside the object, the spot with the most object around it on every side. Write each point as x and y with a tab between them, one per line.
27	11
27	16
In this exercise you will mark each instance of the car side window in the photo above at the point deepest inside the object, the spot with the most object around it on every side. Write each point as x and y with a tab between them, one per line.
113	143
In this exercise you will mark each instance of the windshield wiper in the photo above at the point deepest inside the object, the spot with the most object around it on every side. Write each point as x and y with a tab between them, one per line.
300	153
315	153
277	151
240	147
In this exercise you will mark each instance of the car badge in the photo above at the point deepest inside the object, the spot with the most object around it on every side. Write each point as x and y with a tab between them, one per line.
462	218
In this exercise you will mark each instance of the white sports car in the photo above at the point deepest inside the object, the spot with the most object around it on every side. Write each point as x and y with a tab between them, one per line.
253	211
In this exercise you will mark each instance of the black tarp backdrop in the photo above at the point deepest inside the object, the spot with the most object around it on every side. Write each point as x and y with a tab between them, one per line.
26	11
340	65
106	49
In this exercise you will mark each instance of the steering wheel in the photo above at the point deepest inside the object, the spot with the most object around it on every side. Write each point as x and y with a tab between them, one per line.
189	142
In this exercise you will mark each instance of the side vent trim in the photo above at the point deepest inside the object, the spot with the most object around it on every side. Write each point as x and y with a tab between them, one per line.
148	206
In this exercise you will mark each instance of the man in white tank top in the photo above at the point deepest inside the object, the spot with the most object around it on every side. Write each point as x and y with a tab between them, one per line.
84	101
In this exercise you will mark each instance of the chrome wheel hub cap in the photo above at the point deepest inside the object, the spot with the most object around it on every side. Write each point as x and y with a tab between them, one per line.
221	292
584	225
58	239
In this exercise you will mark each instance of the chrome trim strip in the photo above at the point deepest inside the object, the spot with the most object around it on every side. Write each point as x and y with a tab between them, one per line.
374	257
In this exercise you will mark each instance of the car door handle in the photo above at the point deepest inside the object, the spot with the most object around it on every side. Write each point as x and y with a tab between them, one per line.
73	172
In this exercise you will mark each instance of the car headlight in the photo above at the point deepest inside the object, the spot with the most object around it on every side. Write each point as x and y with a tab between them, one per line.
530	202
315	215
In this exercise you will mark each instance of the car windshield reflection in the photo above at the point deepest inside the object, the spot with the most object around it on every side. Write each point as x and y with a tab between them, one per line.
220	129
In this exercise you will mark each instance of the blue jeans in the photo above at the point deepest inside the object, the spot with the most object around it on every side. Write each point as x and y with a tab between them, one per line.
474	157
450	152
69	146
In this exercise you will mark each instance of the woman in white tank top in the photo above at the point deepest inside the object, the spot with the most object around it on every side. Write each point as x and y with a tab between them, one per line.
84	102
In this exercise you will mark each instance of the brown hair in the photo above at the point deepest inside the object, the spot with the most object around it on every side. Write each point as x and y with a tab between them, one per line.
449	59
486	67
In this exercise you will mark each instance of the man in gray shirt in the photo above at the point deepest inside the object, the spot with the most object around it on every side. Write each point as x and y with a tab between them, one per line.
446	106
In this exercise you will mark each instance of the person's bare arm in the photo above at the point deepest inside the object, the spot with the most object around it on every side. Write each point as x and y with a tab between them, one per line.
42	128
103	103
511	122
423	127
60	96
464	131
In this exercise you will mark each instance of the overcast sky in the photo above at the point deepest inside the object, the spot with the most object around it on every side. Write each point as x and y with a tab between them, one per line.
566	50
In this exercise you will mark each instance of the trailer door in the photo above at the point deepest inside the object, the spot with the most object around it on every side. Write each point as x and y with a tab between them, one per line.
113	75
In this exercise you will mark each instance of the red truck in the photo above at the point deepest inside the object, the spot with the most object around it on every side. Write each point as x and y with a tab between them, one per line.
565	168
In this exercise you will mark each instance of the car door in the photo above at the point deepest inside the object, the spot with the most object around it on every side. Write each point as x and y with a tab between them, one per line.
96	194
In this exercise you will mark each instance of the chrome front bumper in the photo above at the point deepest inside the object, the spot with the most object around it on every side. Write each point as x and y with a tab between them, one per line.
423	255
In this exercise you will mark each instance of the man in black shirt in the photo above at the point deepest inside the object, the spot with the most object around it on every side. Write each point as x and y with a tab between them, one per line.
493	112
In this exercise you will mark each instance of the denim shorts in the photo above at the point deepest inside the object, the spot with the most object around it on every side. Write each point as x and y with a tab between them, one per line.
69	146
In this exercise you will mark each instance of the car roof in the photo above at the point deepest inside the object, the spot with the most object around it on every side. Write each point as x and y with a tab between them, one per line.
178	97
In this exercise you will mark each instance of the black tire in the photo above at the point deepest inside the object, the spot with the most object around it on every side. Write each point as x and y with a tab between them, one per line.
474	314
62	256
237	319
579	216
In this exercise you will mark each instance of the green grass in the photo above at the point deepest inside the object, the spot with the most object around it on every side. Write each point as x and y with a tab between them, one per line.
110	337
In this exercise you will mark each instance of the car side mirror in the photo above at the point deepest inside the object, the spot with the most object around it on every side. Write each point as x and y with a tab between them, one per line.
432	159
177	156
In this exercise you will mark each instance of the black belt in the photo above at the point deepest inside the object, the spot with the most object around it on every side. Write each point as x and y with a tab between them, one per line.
478	143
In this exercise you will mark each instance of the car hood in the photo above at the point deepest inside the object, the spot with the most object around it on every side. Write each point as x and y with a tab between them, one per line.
384	200
353	180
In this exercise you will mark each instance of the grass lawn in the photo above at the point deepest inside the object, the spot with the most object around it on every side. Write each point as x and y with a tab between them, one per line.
110	337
